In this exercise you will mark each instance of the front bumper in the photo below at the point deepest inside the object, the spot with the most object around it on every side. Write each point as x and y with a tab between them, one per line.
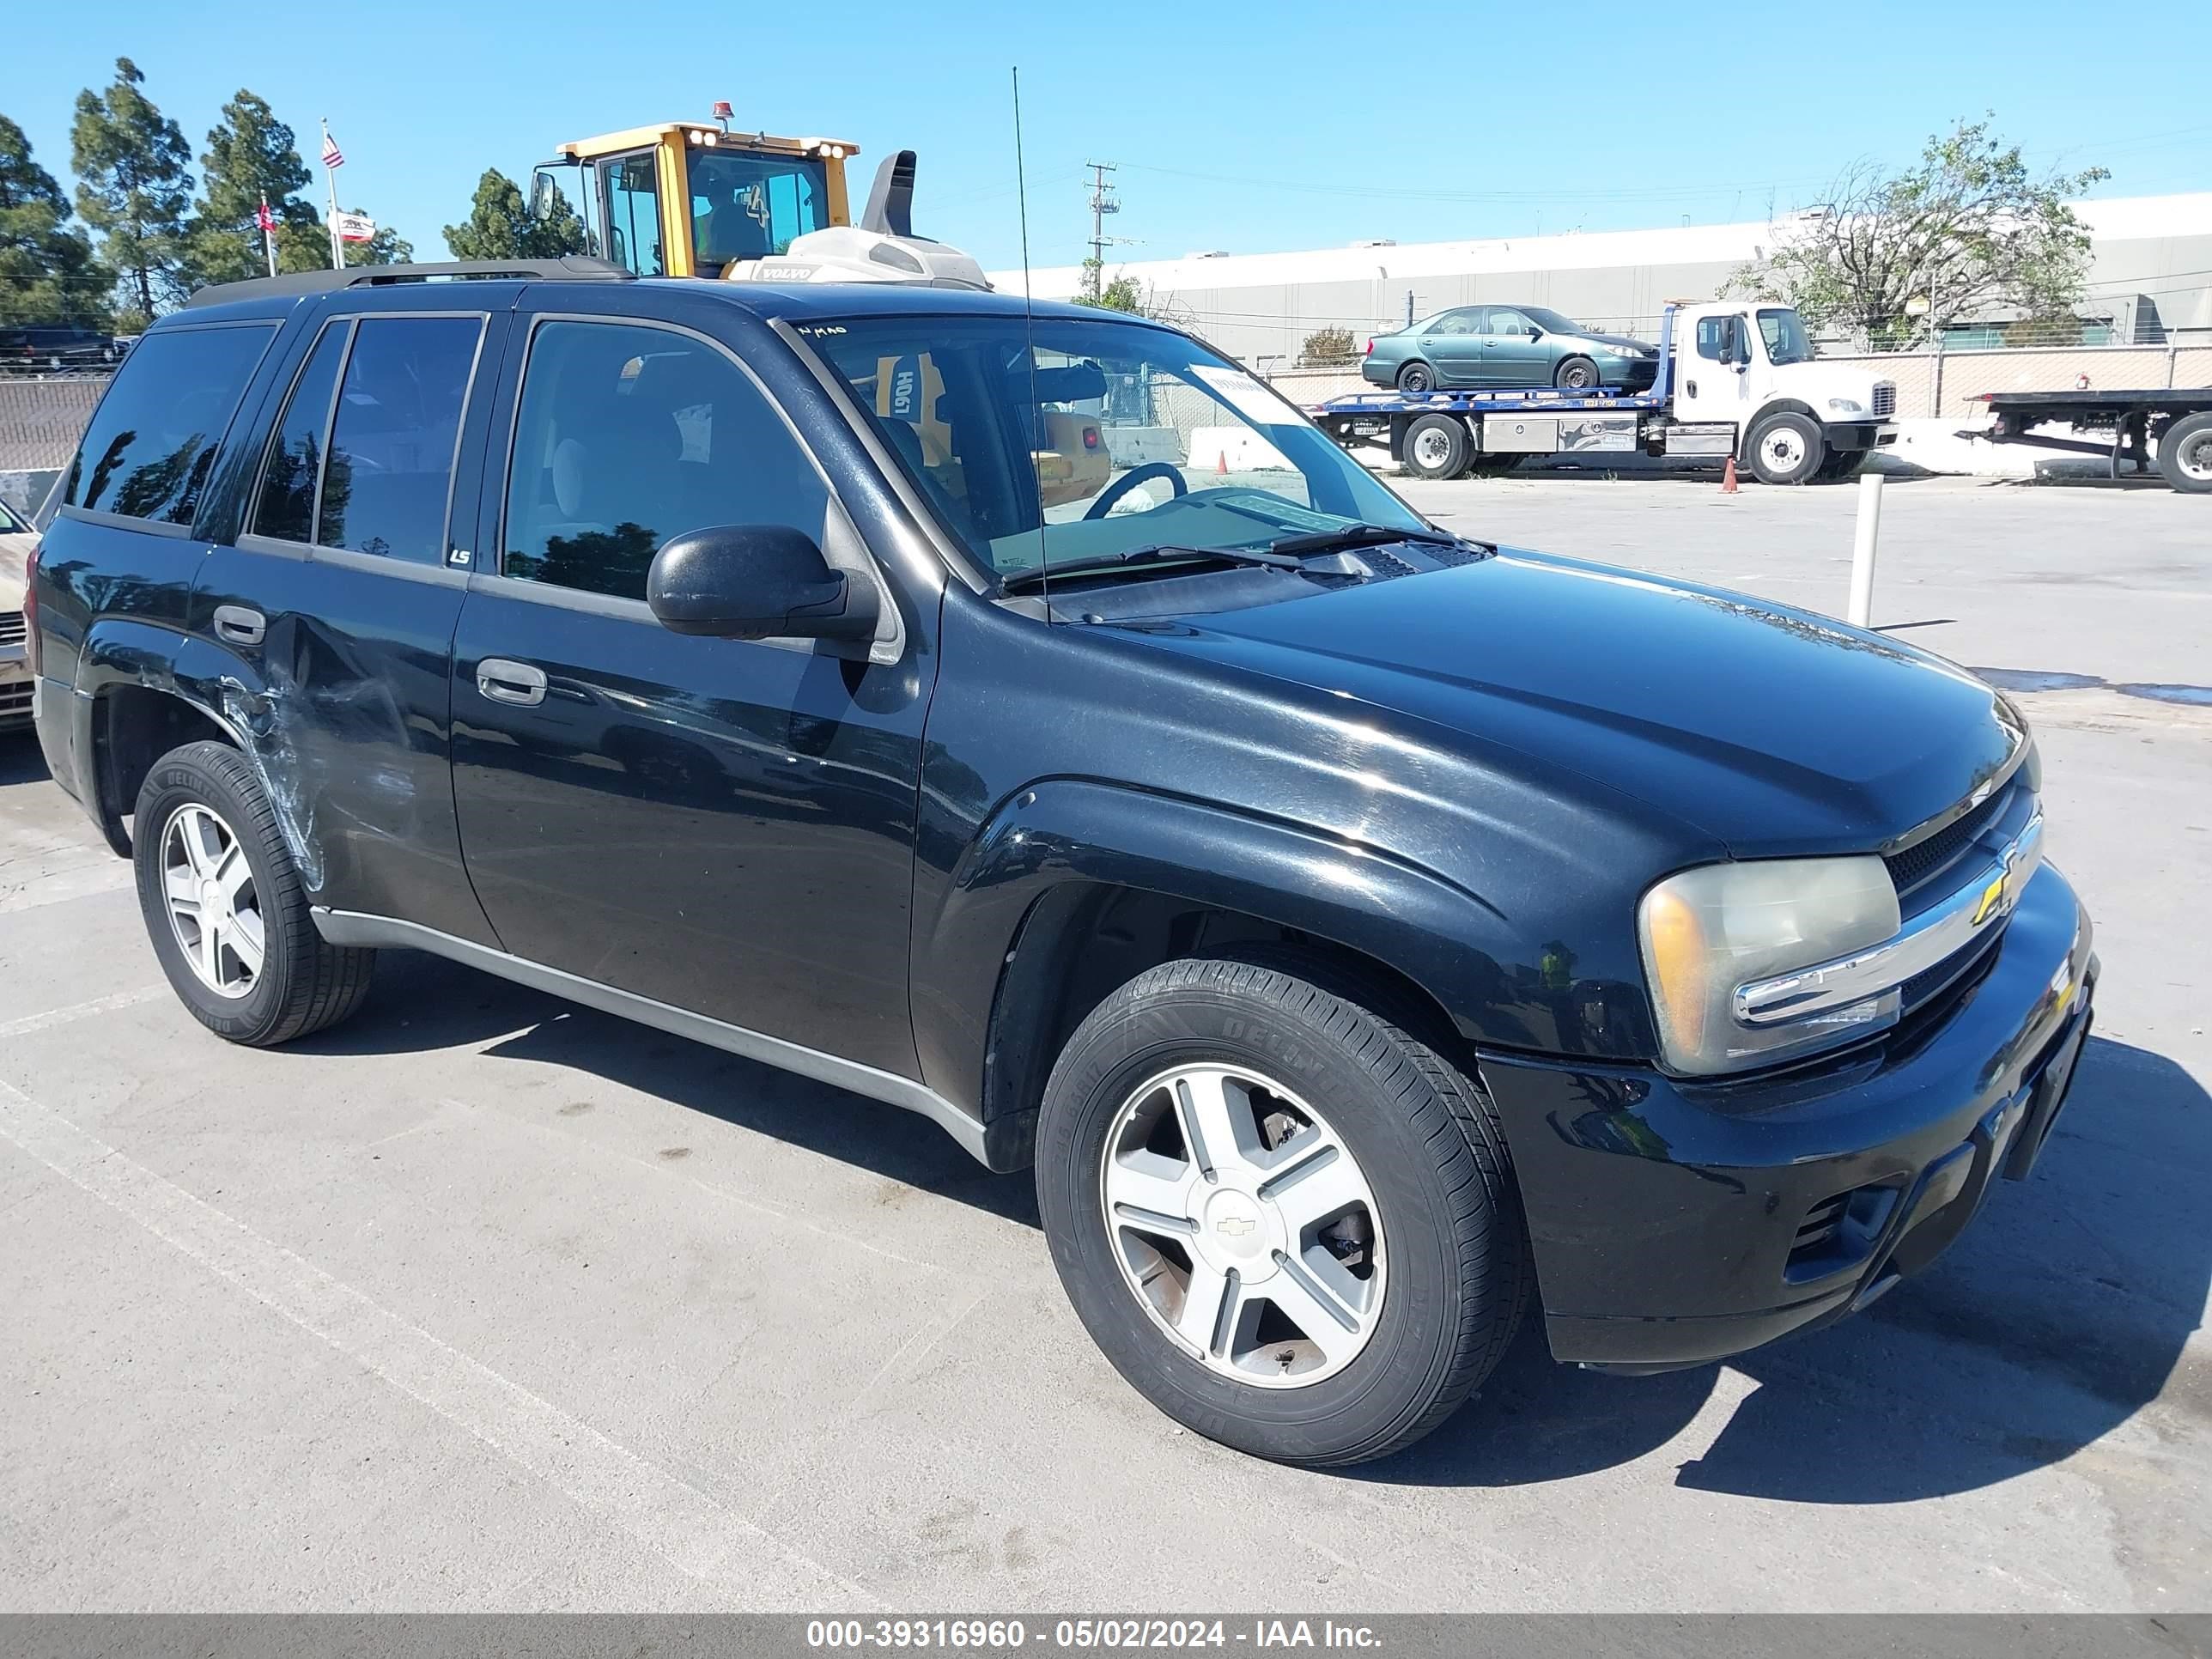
17	687
1676	1222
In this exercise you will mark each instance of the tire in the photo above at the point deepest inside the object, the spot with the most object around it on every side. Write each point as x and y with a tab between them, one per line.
1785	449
2184	454
204	799
1841	464
1436	446
1446	1257
1416	378
1575	374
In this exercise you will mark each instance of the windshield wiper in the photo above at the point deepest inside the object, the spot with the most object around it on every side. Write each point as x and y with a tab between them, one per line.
1359	535
1138	558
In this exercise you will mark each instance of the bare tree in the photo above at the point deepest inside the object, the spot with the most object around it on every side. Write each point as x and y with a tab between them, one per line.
1967	230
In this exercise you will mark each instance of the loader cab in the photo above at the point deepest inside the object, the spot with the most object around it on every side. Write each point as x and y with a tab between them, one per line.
689	198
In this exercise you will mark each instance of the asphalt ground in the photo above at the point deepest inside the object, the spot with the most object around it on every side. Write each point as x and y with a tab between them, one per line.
484	1301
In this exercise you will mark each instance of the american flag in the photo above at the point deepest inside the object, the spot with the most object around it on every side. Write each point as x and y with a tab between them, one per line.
332	155
263	218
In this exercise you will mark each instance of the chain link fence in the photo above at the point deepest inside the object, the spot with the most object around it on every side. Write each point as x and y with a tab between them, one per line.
41	420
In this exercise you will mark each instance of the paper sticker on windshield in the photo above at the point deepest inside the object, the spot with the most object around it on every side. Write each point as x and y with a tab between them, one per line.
1245	395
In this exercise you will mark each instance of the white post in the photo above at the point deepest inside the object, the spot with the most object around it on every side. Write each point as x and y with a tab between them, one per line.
1862	612
330	173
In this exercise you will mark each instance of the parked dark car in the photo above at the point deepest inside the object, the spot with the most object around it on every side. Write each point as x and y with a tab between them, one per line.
1507	346
56	349
1362	932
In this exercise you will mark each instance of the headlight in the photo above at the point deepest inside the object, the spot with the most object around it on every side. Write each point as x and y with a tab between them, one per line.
1847	406
1706	931
1629	351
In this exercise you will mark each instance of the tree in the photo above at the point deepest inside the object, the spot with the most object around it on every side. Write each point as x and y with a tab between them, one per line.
1329	348
501	225
132	188
1967	230
250	153
1122	294
48	271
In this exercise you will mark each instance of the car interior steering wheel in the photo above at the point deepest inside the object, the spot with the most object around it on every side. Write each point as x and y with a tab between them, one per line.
1110	497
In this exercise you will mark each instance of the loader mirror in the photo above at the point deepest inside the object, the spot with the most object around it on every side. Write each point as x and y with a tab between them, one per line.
542	193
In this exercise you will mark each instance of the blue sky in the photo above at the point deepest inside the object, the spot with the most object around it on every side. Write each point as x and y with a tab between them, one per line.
1236	126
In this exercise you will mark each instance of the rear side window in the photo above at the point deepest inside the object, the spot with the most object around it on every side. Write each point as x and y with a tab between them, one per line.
372	471
152	442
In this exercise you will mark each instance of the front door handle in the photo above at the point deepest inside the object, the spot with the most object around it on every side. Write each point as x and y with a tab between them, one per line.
238	624
511	681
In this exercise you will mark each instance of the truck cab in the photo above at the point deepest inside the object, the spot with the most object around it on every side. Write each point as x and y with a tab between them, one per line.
1749	366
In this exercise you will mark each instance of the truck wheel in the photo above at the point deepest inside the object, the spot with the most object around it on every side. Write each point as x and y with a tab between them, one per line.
1417	377
225	907
2184	454
1575	374
1436	446
1785	449
1291	1225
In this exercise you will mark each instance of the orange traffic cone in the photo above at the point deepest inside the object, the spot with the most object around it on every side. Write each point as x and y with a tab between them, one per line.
1221	463
1727	477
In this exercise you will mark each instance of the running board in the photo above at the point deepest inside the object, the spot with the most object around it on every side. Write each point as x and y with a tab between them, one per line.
352	928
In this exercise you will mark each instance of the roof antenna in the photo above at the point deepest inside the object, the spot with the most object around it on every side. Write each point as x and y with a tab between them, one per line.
1028	333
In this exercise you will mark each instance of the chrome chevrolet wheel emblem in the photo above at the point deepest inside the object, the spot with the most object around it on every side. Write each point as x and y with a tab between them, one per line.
1235	1225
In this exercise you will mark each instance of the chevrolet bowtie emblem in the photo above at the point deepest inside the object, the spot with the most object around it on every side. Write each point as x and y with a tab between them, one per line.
1235	1225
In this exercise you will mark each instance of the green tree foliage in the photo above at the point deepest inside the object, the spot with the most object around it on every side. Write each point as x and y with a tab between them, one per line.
500	225
1329	348
1122	294
250	153
132	187
1967	228
48	271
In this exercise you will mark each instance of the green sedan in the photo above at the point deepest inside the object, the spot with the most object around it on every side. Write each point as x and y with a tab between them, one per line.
1507	346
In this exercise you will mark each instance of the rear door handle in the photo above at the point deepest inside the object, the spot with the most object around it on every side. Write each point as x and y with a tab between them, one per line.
240	624
511	681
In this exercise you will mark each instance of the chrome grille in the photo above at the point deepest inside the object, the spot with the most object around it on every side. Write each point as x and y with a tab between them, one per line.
11	628
1885	398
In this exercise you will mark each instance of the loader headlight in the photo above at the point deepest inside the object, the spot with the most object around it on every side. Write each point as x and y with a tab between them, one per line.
1704	932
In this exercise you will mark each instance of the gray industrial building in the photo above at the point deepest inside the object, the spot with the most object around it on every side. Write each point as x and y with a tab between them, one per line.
2150	282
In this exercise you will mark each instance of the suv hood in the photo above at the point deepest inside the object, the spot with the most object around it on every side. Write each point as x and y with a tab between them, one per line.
1774	730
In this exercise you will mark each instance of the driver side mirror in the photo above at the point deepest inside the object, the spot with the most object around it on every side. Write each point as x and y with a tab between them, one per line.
756	582
541	194
1732	349
1535	333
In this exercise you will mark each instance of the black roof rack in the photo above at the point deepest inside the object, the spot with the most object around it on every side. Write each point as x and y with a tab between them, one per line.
574	268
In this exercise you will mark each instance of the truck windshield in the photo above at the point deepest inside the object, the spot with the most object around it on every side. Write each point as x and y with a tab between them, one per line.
749	207
1786	341
1108	437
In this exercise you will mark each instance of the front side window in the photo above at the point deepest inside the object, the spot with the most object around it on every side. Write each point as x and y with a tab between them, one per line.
152	442
628	436
1104	437
749	207
1504	320
631	194
1712	334
1784	330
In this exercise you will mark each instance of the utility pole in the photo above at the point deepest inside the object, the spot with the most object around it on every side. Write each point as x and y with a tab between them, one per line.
1101	203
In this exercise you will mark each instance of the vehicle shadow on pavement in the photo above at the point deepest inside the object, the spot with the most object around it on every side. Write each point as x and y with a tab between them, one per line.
21	759
2064	1311
423	1003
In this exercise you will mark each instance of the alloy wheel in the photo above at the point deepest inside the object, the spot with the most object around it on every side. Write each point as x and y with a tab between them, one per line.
215	911
1244	1225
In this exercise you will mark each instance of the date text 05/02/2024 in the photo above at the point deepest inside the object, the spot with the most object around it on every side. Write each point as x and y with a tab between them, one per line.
1084	1635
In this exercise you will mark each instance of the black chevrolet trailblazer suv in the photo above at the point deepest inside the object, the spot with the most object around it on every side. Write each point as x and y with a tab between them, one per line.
1364	934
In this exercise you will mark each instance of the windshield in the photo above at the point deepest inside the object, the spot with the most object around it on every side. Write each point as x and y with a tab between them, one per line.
1112	436
1786	341
748	207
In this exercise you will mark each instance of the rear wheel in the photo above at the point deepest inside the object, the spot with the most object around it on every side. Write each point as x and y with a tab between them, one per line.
1785	449
1575	374
2184	454
1417	377
225	906
1437	446
1290	1223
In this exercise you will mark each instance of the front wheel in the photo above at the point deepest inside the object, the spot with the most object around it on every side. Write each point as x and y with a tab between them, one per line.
1289	1223
1575	374
1785	449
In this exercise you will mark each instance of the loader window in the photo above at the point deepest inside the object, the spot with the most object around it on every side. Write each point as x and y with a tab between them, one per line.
632	195
748	207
